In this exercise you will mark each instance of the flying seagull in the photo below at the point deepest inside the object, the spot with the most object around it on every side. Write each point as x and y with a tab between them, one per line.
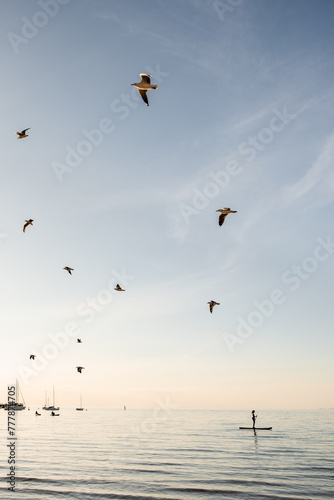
22	135
68	269
79	341
223	214
32	356
80	368
212	304
118	288
144	86
28	223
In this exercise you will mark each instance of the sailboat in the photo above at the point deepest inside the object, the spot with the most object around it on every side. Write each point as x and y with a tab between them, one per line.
81	408
17	405
50	407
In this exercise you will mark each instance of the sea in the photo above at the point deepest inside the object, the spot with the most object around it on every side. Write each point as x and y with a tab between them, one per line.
168	454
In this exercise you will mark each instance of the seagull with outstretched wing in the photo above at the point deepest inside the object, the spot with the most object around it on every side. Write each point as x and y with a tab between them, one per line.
22	135
68	269
223	213
212	304
143	86
29	222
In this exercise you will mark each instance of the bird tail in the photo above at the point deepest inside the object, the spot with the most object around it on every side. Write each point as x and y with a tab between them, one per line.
154	86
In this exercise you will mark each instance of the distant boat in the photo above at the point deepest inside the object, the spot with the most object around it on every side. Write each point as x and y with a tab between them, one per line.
50	407
17	406
80	408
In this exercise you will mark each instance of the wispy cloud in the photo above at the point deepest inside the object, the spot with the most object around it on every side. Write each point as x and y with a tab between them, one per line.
316	187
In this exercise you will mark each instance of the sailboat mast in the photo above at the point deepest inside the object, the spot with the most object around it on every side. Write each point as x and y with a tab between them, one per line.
17	394
22	396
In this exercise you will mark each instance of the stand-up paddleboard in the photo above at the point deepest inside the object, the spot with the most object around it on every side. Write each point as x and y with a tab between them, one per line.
257	428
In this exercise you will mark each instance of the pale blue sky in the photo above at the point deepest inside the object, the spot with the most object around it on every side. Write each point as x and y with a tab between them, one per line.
245	95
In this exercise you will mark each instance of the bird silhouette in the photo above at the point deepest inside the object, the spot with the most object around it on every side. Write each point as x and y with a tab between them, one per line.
32	356
80	368
28	222
143	86
22	135
223	214
118	288
212	304
79	341
68	269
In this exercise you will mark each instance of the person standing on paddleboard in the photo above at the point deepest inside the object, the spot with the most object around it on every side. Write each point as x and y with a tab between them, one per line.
254	417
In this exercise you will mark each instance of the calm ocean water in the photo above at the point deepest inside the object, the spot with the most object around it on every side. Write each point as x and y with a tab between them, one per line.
170	454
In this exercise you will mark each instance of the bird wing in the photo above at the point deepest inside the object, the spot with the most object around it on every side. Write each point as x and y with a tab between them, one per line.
24	227
24	131
143	94
221	219
145	78
211	307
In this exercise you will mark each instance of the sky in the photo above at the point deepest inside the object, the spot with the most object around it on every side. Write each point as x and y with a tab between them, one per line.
127	193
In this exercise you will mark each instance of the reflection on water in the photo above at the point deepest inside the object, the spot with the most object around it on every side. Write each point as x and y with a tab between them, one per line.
171	454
